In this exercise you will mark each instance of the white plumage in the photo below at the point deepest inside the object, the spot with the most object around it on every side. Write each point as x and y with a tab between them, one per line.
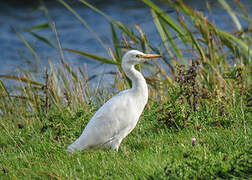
119	115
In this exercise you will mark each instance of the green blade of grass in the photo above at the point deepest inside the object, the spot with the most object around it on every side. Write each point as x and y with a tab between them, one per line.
193	41
21	79
173	45
167	18
116	42
197	16
66	85
83	22
94	57
244	46
43	39
75	77
40	26
19	97
97	10
56	90
127	31
2	86
26	44
244	14
166	37
117	23
161	32
231	13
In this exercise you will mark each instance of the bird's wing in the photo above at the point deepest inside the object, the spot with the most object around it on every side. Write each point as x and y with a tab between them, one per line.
110	120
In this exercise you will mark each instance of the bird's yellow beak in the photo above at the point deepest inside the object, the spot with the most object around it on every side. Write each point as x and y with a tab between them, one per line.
149	56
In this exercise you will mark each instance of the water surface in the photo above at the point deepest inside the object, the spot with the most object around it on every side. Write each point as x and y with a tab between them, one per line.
74	35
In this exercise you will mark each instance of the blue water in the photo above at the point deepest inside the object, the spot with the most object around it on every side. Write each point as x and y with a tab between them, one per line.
74	35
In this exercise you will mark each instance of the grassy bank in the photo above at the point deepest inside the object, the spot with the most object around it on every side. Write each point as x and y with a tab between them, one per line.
207	97
33	149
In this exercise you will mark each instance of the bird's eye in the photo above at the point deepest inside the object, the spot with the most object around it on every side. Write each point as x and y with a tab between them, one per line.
138	56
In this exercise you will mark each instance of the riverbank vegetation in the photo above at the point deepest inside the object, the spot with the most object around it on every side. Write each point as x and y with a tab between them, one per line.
201	89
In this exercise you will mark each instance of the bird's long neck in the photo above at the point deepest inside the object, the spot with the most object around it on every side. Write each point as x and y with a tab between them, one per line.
139	85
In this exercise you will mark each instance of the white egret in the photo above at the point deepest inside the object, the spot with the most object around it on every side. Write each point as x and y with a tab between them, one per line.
120	114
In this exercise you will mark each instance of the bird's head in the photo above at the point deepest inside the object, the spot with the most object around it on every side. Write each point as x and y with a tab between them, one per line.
133	57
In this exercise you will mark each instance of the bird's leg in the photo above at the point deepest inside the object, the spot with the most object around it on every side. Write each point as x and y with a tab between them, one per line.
115	144
117	148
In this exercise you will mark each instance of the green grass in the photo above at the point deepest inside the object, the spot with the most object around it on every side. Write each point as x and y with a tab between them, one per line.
34	149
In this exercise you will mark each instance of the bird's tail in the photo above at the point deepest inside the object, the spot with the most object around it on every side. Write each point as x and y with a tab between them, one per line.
75	146
71	149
